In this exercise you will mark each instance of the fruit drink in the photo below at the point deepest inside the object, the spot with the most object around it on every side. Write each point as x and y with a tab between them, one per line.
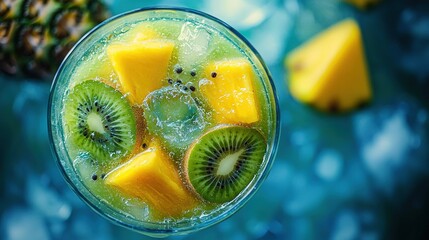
164	120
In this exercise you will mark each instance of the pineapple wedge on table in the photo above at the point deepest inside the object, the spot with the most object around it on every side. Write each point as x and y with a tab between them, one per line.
329	71
35	35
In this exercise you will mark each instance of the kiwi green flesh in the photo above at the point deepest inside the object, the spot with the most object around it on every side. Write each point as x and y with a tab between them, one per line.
99	120
222	162
174	117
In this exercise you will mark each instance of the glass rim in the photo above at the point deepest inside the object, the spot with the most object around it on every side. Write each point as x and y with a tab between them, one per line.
141	226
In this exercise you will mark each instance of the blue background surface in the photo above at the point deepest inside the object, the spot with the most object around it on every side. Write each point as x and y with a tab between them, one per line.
361	175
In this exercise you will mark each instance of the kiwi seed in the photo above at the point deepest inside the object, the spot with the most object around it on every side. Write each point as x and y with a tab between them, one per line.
178	69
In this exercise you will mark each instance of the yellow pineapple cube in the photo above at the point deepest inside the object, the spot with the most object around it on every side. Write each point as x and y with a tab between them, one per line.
141	66
329	71
228	88
152	177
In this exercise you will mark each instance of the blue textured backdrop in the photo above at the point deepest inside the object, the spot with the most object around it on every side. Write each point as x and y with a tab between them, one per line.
361	175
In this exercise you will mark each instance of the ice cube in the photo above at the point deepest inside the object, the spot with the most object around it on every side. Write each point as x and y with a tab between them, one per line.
194	44
175	117
20	223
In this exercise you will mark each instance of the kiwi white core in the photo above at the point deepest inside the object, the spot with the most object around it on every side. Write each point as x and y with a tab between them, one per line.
95	123
226	165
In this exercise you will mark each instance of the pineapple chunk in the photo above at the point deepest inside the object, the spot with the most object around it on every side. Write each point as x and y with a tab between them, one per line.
229	91
152	177
141	66
363	4
329	72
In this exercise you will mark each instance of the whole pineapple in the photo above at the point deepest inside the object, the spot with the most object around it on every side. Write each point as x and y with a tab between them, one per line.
35	35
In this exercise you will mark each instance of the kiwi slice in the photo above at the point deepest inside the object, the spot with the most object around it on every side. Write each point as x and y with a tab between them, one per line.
222	162
99	120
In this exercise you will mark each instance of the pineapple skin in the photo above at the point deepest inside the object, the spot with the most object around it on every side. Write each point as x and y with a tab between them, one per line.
36	35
